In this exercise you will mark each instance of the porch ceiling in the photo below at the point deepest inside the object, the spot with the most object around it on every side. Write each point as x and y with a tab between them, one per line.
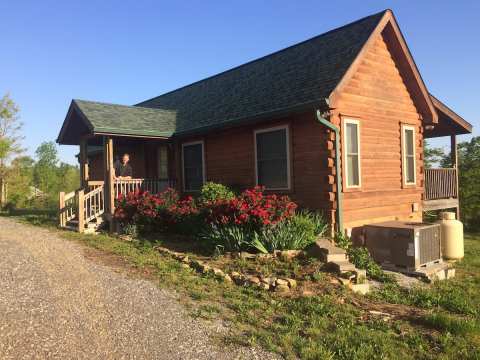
449	122
95	118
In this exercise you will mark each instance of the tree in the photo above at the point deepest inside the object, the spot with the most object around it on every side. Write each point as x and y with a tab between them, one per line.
432	155
10	138
20	180
45	176
469	182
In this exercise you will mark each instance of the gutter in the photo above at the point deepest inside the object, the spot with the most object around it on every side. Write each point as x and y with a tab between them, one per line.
339	211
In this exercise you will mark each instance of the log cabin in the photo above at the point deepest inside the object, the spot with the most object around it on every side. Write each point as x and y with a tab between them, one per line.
336	122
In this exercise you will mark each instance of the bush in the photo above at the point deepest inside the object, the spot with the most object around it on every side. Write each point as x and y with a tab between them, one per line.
251	209
361	258
212	192
163	211
294	233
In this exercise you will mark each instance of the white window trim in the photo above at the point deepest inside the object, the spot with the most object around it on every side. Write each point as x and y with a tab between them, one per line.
287	134
344	151
204	170
404	156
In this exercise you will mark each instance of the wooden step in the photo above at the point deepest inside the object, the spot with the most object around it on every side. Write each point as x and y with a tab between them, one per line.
341	266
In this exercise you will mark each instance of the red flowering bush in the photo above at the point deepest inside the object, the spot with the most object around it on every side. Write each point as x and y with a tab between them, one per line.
161	210
251	209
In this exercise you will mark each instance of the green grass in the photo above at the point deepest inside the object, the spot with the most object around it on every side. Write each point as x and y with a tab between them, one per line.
336	325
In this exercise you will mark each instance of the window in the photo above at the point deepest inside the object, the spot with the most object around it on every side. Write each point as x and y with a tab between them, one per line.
162	162
351	141
193	166
408	139
272	158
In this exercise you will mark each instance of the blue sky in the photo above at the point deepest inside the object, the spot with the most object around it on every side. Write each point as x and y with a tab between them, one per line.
127	51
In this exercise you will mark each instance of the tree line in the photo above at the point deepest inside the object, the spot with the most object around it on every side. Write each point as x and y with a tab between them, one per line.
25	181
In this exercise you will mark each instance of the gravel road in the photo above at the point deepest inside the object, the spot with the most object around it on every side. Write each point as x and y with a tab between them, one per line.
57	304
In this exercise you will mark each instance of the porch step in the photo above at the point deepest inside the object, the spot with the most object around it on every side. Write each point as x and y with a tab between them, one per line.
91	227
341	266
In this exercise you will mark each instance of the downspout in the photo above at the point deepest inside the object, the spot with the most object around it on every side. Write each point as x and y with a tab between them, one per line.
339	211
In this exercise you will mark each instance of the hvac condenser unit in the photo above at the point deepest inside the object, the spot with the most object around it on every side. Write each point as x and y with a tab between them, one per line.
406	245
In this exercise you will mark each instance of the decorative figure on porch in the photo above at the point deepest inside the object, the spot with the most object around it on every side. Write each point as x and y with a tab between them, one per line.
123	170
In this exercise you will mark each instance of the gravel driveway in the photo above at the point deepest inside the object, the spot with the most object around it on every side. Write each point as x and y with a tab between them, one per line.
55	303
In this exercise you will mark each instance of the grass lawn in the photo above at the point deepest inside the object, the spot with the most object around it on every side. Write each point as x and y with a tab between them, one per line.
439	321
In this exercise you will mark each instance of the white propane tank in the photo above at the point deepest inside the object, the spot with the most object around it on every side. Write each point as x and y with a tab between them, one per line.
452	236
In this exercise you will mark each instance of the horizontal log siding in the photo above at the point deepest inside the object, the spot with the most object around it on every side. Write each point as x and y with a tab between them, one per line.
230	159
378	97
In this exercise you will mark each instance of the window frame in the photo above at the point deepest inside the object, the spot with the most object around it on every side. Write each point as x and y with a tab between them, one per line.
345	122
159	149
404	156
204	170
285	127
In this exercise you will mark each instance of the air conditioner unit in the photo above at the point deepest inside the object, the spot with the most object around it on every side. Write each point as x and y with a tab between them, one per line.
404	245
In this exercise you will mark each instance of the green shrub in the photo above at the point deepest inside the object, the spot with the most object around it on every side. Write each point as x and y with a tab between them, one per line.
361	258
294	233
227	237
213	191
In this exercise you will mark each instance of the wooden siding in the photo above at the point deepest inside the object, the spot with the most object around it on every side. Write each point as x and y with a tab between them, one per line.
378	97
230	159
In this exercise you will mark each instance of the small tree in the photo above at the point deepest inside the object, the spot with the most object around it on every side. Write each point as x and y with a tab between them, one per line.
10	138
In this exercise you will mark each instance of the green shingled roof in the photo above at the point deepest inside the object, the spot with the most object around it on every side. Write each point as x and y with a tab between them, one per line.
293	78
128	120
298	75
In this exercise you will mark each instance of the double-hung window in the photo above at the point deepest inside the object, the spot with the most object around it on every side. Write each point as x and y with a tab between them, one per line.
193	166
162	162
272	158
351	149
408	154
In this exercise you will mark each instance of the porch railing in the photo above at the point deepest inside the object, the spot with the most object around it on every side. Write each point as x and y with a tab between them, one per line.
440	184
154	186
67	207
94	204
84	205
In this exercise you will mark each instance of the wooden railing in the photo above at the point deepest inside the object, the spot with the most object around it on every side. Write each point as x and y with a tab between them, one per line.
84	206
154	186
94	204
67	207
440	184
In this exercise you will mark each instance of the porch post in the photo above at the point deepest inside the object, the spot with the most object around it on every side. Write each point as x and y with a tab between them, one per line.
83	164
454	159
109	175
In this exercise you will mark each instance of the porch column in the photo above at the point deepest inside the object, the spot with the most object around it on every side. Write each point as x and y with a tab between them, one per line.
109	175
83	163
454	159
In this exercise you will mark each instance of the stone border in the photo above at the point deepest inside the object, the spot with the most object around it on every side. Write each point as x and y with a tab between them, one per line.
272	283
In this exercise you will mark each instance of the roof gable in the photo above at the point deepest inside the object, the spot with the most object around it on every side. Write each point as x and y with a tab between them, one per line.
101	118
388	28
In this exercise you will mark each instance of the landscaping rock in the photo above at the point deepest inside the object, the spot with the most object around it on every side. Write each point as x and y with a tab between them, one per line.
307	293
269	280
361	276
218	272
264	286
288	255
281	282
227	278
360	288
253	280
291	283
282	288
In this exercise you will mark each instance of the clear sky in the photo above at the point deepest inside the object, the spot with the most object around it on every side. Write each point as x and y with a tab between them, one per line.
125	51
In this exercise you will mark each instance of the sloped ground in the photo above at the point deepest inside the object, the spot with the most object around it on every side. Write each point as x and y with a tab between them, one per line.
55	303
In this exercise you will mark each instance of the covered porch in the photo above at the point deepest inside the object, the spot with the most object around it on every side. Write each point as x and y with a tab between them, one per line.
104	133
441	184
